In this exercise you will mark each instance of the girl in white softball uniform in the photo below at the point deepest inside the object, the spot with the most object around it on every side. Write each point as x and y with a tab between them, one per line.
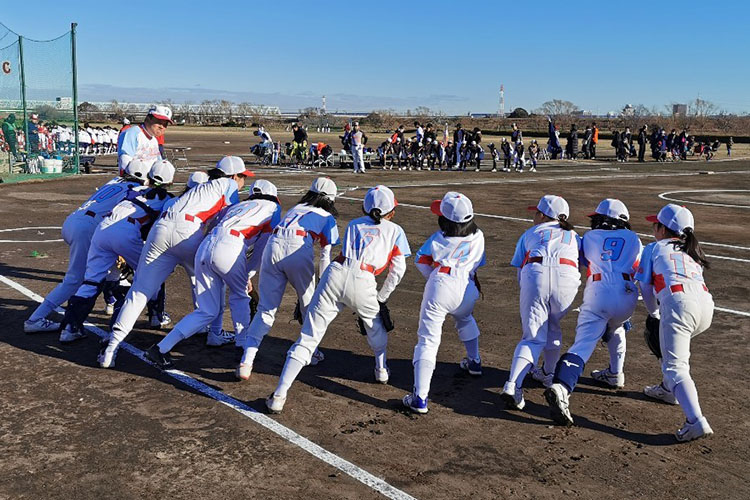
174	240
371	244
221	261
77	231
448	260
671	281
611	252
289	257
547	260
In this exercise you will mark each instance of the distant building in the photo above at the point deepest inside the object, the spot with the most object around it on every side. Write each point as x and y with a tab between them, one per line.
628	110
679	109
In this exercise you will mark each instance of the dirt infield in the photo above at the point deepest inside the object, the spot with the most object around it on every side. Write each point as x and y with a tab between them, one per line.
72	430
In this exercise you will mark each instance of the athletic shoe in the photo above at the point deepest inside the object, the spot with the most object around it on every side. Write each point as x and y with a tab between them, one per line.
243	371
382	375
661	393
697	430
540	376
558	399
415	403
161	360
109	309
70	335
473	367
106	358
160	320
317	357
219	339
616	380
275	404
512	396
40	325
494	170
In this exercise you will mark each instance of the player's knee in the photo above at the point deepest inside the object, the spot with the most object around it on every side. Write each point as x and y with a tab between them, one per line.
675	374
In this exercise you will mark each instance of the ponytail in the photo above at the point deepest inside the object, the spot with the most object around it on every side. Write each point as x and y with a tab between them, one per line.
564	223
599	221
692	247
374	214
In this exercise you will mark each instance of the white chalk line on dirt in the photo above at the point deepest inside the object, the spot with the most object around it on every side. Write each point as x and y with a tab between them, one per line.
286	433
12	229
664	196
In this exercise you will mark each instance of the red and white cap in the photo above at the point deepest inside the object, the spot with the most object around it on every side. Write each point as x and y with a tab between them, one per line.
233	165
674	217
612	207
552	206
262	186
324	186
161	113
454	207
197	178
380	197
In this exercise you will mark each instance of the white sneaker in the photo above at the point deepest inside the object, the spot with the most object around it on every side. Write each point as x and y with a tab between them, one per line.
40	325
317	357
275	404
70	335
382	375
106	357
558	400
512	396
697	430
606	376
160	321
219	339
540	376
243	371
659	392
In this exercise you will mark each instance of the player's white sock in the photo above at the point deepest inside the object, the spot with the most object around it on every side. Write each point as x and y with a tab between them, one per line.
380	360
292	367
616	347
172	339
44	310
687	396
248	355
423	369
472	349
521	364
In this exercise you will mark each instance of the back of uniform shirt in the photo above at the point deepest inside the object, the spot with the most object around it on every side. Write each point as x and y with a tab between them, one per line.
318	223
462	253
106	197
250	218
615	251
664	265
374	244
548	241
205	200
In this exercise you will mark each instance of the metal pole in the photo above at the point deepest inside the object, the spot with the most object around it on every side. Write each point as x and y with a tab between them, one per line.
23	98
76	154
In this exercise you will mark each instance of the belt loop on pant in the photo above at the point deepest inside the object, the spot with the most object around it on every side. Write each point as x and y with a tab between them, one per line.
90	213
598	277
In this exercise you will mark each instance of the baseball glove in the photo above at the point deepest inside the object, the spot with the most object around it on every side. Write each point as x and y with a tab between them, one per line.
297	314
254	299
385	317
651	335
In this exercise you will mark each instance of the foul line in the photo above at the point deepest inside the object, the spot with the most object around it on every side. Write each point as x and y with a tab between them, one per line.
286	433
28	229
664	196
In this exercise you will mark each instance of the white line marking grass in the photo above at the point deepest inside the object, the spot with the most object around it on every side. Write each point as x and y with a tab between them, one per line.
287	434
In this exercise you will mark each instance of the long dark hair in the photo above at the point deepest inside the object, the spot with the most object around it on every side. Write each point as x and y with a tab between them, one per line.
599	221
564	222
215	173
689	244
319	200
374	214
461	229
261	196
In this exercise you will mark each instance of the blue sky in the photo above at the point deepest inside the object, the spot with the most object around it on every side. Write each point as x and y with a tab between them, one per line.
450	56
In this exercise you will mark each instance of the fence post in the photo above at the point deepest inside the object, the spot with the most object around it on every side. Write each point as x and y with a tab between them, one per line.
23	99
76	153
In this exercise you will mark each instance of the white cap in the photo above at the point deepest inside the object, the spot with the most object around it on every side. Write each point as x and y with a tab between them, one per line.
552	206
137	169
454	206
262	186
161	113
324	185
380	197
233	165
197	178
162	172
125	121
614	208
675	217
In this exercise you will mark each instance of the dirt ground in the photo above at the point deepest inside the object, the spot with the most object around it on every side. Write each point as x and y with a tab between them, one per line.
72	430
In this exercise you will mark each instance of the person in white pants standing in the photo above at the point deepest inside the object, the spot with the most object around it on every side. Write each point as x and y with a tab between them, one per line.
547	260
611	252
289	257
371	244
221	262
174	240
449	259
673	289
358	140
77	231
